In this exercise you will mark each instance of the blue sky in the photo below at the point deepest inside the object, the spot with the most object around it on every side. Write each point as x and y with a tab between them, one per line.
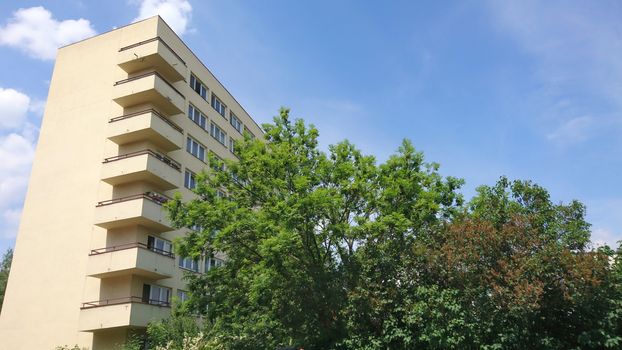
527	89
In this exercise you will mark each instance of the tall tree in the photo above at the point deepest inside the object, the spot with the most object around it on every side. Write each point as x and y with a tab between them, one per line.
521	275
333	251
285	227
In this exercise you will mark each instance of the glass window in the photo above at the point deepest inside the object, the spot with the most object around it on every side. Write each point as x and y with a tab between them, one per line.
249	133
182	295
216	163
235	122
231	145
212	263
158	295
196	116
217	133
218	105
189	264
198	86
159	245
195	148
190	181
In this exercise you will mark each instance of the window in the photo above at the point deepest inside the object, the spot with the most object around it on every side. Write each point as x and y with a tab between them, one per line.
231	145
159	245
218	105
235	122
249	133
182	295
216	163
214	233
189	264
198	86
156	295
196	227
195	148
221	194
237	179
190	181
196	116
212	263
217	133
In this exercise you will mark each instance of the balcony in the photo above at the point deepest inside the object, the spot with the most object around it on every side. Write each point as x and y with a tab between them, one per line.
121	312
149	88
152	54
146	165
141	209
130	259
146	125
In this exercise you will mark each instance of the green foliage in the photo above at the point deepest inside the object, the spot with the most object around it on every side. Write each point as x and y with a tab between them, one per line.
333	251
5	268
524	263
135	341
501	203
174	333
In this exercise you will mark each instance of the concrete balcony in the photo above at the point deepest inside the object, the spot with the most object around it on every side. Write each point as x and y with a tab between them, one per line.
122	312
146	125
146	165
130	259
152	54
141	209
149	88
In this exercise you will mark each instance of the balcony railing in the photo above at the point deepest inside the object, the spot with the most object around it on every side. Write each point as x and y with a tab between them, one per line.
168	161
154	197
135	114
157	38
124	300
148	75
131	246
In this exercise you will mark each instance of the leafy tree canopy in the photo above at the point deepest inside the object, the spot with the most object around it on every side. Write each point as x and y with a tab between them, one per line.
335	251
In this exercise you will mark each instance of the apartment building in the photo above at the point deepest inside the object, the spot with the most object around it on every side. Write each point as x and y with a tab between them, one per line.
131	117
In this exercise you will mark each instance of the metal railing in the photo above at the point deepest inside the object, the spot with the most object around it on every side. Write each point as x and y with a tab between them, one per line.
151	110
157	38
155	197
124	300
147	75
166	160
140	245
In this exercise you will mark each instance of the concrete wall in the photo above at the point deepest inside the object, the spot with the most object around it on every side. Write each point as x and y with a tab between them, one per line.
48	279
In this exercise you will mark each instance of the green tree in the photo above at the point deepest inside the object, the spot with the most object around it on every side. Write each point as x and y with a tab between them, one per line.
178	332
334	251
5	268
299	228
524	265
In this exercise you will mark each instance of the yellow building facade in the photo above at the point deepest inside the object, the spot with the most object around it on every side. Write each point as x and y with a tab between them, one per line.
130	118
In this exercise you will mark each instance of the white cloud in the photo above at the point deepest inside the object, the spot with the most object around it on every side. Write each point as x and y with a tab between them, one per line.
175	12
576	43
605	214
35	31
17	148
604	236
573	130
16	152
37	107
575	48
10	224
14	107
